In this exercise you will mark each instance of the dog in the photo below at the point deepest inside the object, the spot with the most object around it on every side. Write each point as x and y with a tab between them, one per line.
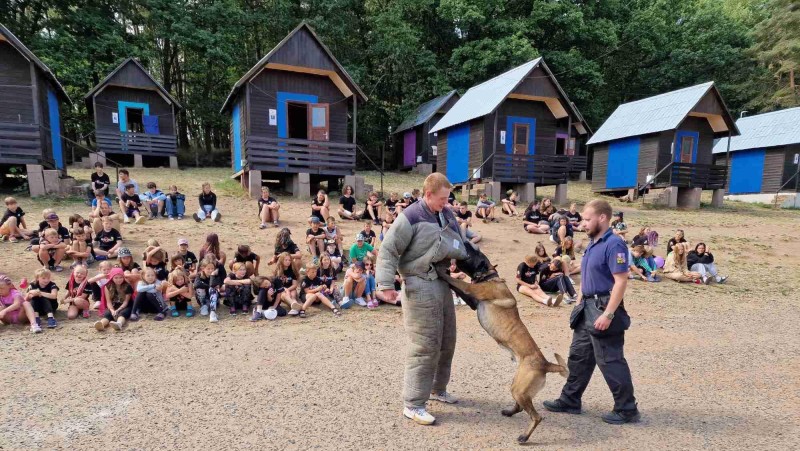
489	295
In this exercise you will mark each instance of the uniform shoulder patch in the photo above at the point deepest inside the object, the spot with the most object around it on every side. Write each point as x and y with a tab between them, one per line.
621	258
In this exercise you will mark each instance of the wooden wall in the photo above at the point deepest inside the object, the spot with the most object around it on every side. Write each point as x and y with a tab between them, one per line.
546	127
476	134
790	167
538	83
441	154
599	166
304	51
16	101
698	124
773	169
648	156
264	93
106	103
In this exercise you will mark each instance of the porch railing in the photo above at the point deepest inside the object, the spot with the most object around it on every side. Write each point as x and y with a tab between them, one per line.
136	143
300	155
539	169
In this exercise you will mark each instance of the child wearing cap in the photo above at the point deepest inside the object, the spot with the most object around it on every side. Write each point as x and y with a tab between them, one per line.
315	238
13	226
360	249
313	290
618	226
131	269
189	259
154	199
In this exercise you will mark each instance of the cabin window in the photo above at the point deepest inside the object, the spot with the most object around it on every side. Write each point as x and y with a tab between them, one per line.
134	117
297	120
521	132
687	148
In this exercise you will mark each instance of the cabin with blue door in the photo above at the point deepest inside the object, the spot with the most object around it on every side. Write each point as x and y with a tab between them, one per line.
765	158
413	146
662	146
518	130
31	125
134	118
293	117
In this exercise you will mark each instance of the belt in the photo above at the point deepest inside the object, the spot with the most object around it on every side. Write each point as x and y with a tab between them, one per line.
597	295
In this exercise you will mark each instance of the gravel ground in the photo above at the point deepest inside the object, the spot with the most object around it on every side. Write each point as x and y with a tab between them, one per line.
715	367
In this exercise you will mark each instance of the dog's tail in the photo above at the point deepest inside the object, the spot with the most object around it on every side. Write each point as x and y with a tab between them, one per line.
560	368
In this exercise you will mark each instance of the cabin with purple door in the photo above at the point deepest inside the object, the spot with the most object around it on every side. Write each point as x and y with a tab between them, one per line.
662	146
31	102
518	130
293	117
414	146
134	118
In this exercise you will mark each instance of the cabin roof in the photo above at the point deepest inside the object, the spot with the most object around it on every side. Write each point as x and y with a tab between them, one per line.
484	98
25	51
654	114
104	81
425	112
263	61
776	128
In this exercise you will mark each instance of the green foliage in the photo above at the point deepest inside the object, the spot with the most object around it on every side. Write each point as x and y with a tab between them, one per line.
404	52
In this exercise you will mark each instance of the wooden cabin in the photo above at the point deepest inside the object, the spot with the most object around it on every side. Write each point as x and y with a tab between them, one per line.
414	146
31	102
516	130
663	143
134	117
291	116
765	158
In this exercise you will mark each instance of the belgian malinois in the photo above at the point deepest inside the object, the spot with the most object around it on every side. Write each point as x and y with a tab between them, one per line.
498	315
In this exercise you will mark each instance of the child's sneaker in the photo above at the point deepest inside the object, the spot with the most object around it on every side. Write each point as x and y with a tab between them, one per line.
189	311
180	217
116	325
171	218
159	317
263	226
174	312
134	316
371	305
217	217
294	312
127	220
38	321
36	329
98	326
256	315
233	311
361	302
346	302
212	317
204	310
196	217
51	323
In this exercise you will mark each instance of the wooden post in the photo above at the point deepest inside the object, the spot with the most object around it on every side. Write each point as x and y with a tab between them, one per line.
355	117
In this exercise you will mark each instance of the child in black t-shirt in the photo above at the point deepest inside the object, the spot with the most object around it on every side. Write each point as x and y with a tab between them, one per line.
553	279
208	205
393	207
79	251
314	290
43	296
250	259
189	259
207	286
315	238
372	208
347	204
132	204
510	203
320	207
575	218
78	291
268	304
238	289
268	209
284	243
179	293
527	273
109	241
13	226
155	257
369	235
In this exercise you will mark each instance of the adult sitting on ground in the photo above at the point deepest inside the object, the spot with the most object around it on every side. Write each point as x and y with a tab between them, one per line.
533	221
700	260
268	209
527	273
425	234
675	267
575	218
347	205
678	238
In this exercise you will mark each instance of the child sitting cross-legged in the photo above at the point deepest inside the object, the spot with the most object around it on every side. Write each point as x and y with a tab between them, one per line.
52	250
238	289
355	284
314	290
268	305
78	291
118	304
207	287
179	292
43	297
149	297
13	226
79	251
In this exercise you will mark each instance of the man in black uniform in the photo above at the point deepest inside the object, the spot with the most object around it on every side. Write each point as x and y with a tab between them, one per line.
599	321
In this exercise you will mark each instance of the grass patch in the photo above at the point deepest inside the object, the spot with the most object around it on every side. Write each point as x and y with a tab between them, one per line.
229	187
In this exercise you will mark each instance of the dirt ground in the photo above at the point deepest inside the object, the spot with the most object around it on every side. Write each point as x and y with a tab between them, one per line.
714	367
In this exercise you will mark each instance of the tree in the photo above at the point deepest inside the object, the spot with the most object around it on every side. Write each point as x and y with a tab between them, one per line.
777	47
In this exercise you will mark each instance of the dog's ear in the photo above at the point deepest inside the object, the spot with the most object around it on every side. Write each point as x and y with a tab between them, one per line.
494	267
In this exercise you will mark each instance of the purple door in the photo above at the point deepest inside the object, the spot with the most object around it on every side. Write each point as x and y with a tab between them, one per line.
410	148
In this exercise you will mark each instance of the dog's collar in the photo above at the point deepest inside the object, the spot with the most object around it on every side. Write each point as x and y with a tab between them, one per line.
488	276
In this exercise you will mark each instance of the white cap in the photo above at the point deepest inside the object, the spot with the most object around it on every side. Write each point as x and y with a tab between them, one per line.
271	314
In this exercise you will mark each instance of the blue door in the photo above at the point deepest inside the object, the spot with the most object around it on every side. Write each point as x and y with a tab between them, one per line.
686	147
623	163
747	171
237	138
458	154
55	128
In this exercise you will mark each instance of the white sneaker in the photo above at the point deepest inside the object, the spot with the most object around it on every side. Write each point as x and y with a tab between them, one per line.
116	325
204	310
36	329
293	312
419	415
445	397
212	317
361	302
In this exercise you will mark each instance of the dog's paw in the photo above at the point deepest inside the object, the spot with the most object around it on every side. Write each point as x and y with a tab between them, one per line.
522	439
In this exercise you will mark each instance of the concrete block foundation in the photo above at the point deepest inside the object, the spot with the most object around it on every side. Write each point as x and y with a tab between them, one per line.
718	198
689	197
560	197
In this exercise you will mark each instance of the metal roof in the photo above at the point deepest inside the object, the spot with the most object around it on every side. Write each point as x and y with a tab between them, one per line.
651	115
25	51
146	72
424	112
777	128
482	99
263	61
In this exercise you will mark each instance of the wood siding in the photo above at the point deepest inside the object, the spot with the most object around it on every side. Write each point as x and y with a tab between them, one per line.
709	104
698	124
16	101
475	146
599	166
546	127
538	83
264	93
107	103
489	144
790	167
304	51
773	170
648	157
441	154
665	148
132	76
